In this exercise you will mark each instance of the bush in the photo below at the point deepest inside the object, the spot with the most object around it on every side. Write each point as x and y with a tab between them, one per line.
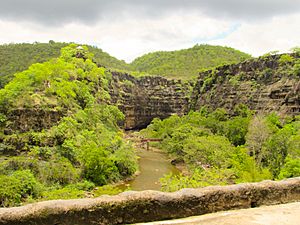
17	187
58	171
296	68
64	193
285	59
290	169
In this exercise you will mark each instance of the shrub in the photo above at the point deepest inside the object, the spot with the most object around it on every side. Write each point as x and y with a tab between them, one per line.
285	59
291	168
64	193
18	186
59	171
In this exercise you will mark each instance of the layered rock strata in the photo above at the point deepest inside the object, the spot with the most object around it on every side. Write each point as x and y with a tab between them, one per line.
264	85
145	98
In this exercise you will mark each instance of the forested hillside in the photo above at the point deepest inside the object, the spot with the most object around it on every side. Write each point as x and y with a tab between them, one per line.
18	57
187	63
58	133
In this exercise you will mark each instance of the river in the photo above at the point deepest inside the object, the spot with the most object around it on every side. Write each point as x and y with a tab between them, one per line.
153	165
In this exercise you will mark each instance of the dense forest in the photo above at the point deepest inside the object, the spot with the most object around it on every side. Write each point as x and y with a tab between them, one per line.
18	57
219	149
84	148
187	63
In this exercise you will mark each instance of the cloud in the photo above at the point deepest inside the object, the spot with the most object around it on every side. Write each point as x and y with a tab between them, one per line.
280	33
127	39
57	12
130	28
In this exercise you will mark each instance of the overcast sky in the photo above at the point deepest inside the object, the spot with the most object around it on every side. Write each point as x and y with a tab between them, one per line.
129	28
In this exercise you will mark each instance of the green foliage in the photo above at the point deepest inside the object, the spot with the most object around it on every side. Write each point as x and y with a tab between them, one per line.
246	169
290	169
242	169
276	149
268	54
183	64
296	68
285	59
296	50
212	150
18	57
219	148
18	186
199	178
106	190
85	145
187	63
59	172
67	192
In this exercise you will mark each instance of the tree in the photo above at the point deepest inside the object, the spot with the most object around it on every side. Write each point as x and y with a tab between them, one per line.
258	134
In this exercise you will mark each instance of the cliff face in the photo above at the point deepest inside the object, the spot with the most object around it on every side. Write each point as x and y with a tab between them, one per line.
264	85
25	120
143	99
140	99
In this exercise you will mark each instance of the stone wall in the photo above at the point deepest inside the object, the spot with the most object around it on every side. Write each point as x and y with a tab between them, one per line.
145	98
133	207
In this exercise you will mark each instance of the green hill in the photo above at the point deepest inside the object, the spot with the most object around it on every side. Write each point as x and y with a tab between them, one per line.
18	57
187	63
183	64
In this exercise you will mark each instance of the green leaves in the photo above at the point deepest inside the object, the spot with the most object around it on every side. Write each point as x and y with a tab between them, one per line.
241	147
83	144
18	186
15	58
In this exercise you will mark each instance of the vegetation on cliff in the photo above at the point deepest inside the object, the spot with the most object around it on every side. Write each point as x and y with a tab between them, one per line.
178	64
221	149
80	147
186	63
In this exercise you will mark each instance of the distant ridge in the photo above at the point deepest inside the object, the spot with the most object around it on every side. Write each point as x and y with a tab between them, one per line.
187	63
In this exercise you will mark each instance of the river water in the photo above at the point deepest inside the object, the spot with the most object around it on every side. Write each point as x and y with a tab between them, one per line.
153	165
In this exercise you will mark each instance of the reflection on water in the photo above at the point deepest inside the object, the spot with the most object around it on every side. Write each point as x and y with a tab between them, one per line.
153	166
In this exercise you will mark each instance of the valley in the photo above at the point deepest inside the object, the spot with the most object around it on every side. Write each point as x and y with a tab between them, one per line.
63	124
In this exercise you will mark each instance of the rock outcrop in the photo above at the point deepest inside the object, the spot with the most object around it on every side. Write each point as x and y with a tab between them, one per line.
36	119
145	98
264	85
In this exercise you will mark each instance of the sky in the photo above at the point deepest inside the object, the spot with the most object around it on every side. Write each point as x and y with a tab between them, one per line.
127	29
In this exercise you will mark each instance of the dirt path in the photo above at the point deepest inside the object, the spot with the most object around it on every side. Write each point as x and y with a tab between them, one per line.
285	214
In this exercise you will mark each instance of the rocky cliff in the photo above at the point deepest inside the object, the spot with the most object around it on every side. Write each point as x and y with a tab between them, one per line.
265	84
145	98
